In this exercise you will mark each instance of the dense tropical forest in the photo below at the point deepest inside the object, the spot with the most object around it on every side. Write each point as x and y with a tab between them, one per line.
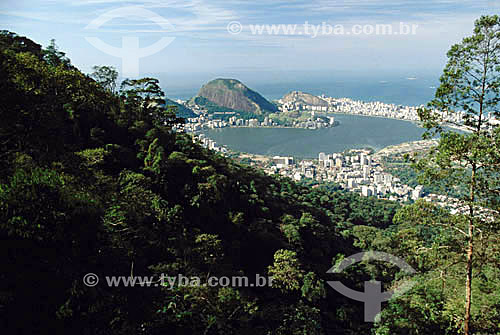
96	179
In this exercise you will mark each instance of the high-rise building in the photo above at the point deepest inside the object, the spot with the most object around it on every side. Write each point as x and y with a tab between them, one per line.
351	183
363	160
285	161
366	191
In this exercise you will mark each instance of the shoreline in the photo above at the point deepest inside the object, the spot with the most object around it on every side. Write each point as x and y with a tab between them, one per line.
416	123
388	150
377	116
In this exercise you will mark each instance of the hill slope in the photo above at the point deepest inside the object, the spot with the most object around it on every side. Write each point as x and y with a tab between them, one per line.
182	111
298	97
232	94
103	185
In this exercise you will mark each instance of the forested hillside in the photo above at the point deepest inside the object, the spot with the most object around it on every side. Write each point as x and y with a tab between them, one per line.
96	181
93	181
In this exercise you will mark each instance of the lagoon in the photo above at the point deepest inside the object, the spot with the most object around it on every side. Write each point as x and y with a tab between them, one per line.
353	132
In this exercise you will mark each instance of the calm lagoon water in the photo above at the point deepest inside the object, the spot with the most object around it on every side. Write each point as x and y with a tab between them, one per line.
353	132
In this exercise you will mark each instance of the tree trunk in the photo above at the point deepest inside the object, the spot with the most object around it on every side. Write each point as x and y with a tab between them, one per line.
470	246
468	284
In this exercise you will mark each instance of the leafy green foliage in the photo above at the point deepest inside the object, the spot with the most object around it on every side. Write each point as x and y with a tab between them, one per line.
453	247
98	181
106	76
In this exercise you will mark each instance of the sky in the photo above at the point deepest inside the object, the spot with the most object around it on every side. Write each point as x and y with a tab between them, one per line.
214	38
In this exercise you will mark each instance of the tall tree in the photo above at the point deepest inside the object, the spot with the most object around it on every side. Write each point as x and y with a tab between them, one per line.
145	98
106	76
469	94
53	56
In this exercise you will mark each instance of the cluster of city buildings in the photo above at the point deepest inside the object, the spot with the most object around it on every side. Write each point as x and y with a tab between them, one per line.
376	108
379	109
356	170
349	106
210	121
291	106
324	104
361	172
208	143
314	122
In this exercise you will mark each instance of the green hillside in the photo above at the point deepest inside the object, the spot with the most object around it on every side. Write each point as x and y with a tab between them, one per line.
97	182
181	110
94	182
